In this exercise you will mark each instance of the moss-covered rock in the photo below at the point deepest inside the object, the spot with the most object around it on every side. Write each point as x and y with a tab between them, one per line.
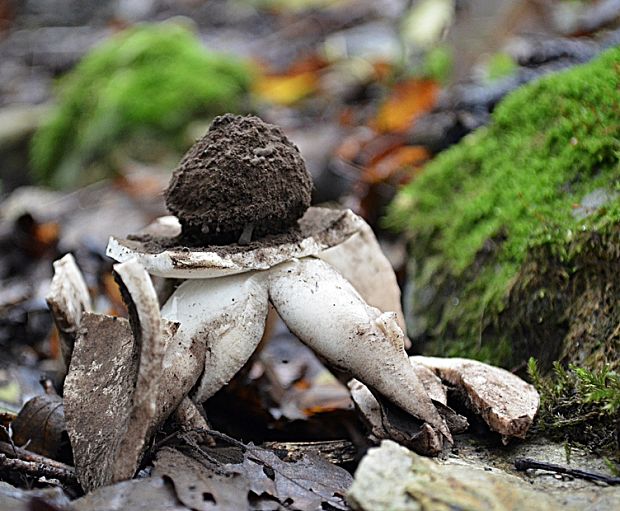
145	83
515	232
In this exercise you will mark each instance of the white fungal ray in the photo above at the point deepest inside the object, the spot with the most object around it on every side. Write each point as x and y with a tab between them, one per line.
141	300
360	260
321	228
68	299
228	314
324	310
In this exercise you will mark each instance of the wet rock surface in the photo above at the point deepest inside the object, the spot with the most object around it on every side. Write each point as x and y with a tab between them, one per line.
392	477
243	175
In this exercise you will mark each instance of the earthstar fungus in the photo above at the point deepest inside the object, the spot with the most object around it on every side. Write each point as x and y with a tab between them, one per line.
243	173
243	237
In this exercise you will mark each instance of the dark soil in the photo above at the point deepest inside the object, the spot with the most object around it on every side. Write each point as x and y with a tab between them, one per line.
320	223
244	174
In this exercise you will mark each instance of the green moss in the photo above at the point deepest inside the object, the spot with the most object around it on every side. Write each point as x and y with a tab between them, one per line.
579	405
506	192
149	81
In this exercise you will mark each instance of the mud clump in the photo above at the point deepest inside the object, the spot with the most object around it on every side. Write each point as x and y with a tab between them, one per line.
244	178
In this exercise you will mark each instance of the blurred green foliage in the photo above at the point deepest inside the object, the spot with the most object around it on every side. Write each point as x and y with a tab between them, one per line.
438	64
479	208
500	65
145	82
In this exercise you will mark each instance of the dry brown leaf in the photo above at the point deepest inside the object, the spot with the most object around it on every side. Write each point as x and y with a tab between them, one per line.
203	482
113	294
40	426
199	487
150	494
47	233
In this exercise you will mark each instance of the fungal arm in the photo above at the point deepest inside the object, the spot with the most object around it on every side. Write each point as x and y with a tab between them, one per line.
228	314
324	310
360	260
68	299
149	345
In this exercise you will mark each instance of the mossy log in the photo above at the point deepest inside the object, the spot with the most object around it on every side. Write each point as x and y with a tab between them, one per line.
515	231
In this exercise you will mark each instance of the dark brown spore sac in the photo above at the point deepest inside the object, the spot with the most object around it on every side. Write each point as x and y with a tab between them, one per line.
243	174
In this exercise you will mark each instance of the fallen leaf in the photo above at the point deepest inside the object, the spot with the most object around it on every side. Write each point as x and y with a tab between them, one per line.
426	22
296	83
17	499
199	487
47	233
310	483
399	159
148	494
408	100
40	425
113	294
260	481
285	89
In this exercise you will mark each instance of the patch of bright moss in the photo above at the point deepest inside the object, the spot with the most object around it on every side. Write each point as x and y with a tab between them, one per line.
482	208
148	81
579	405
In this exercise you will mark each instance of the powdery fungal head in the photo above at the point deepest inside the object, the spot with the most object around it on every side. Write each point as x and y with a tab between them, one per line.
243	175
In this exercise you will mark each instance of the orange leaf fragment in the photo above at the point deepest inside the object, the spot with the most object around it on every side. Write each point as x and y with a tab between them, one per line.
47	233
286	89
408	100
300	80
113	294
396	160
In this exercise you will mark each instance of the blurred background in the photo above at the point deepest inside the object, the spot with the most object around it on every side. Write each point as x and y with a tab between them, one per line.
100	98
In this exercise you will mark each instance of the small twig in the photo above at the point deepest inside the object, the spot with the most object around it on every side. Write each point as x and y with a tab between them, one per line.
527	463
225	437
12	451
35	469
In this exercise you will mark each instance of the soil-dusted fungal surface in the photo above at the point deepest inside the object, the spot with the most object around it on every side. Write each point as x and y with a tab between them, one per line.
244	177
317	222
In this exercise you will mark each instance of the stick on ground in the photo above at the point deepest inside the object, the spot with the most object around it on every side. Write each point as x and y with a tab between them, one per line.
527	463
36	469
